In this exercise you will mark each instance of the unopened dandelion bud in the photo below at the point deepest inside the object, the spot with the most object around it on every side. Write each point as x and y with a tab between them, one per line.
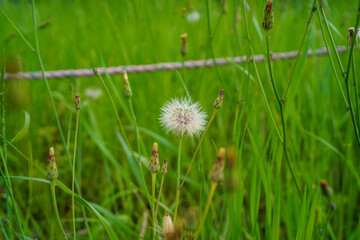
168	227
184	12
326	189
219	100
154	165
268	20
351	31
77	103
184	44
164	167
96	72
127	87
52	172
217	171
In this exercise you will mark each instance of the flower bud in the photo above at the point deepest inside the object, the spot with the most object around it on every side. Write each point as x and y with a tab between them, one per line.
52	172
168	227
184	12
217	171
127	87
164	167
268	21
96	72
326	189
77	103
154	165
351	31
219	100
184	43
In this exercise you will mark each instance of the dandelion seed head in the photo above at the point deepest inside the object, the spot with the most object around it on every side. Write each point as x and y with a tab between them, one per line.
181	116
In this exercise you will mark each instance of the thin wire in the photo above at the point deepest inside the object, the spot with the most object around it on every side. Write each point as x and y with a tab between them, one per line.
70	73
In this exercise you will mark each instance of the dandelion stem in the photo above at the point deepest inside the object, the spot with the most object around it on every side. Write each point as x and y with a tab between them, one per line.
73	173
53	197
153	179
281	106
207	206
178	179
198	146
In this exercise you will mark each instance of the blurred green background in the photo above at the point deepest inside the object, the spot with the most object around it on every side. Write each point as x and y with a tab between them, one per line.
87	34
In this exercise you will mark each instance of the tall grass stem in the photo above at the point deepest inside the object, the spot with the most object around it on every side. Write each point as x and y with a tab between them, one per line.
178	179
53	198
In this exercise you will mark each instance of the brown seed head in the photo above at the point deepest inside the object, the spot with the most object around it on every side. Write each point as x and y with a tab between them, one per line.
77	103
268	20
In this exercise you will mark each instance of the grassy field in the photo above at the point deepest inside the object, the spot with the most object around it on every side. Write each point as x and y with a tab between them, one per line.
302	183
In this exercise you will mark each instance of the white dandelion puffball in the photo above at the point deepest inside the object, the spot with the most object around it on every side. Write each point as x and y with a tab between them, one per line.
181	116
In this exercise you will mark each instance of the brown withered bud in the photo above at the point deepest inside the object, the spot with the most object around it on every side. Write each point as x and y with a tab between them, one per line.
52	172
154	165
326	189
183	48
268	20
219	100
77	103
127	87
164	167
351	32
217	171
184	12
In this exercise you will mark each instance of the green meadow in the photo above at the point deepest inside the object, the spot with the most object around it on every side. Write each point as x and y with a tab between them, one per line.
277	157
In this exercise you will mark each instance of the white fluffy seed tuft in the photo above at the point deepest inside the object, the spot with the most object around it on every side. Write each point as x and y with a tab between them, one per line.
181	116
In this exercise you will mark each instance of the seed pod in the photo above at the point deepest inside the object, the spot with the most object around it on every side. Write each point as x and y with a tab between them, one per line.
217	171
168	227
219	100
52	172
268	21
77	103
164	167
127	87
154	165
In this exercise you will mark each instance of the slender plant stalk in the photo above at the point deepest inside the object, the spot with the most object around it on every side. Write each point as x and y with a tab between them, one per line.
211	39
207	206
356	90
158	200
9	192
153	179
313	9
347	77
198	146
53	197
258	75
73	173
331	38
178	179
281	106
17	30
139	148
330	57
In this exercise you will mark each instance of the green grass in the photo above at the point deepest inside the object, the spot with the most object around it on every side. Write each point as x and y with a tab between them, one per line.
258	198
